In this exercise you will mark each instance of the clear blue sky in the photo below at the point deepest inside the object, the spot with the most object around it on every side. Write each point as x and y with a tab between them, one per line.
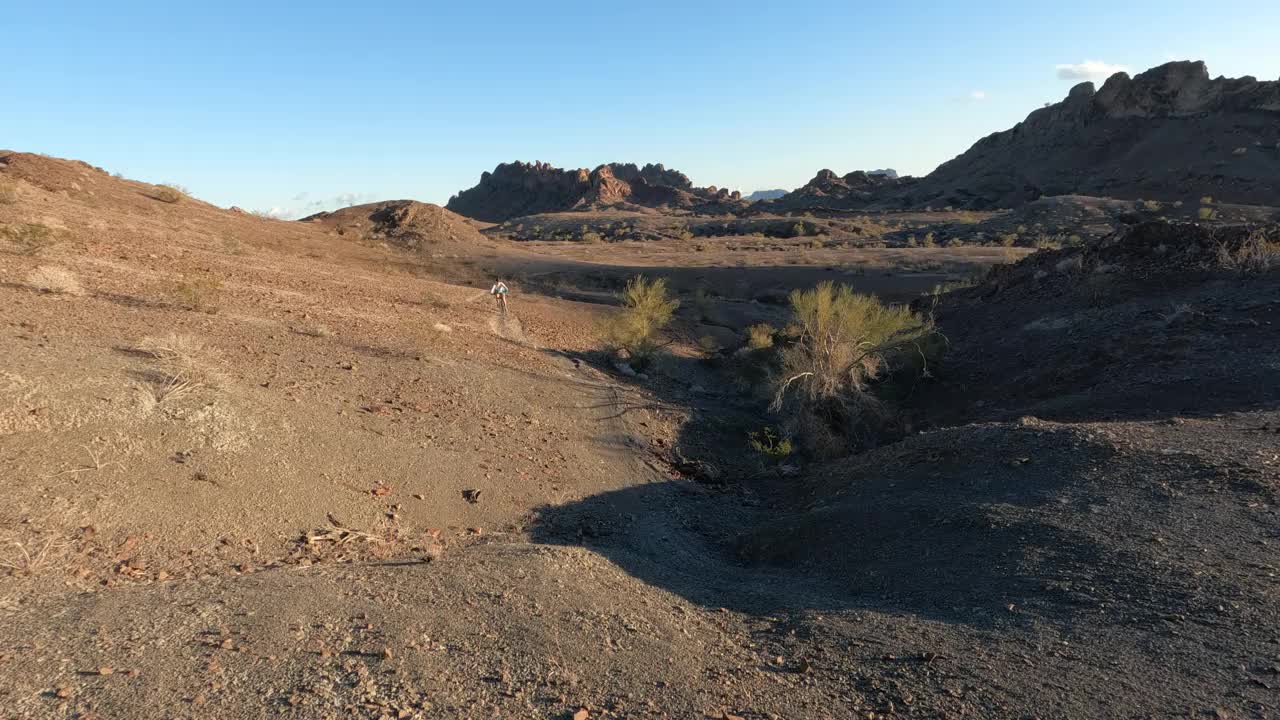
296	108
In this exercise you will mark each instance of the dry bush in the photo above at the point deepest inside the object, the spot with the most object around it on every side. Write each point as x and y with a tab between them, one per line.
55	280
8	192
29	239
180	364
21	559
709	345
760	336
432	299
647	309
1256	254
846	343
199	293
168	193
314	330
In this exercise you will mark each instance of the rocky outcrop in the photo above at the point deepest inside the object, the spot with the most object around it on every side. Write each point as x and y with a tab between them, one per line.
1170	133
829	191
518	189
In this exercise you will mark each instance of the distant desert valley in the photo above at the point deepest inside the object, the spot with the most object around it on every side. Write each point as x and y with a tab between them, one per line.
1001	441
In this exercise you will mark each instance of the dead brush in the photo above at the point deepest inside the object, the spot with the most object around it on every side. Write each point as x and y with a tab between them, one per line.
8	192
179	366
1257	254
29	239
199	293
27	559
55	281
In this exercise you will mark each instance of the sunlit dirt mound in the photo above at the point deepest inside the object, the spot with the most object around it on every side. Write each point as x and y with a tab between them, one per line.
405	223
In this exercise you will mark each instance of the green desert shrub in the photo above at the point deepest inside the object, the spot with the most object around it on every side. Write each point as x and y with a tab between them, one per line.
846	344
647	308
771	444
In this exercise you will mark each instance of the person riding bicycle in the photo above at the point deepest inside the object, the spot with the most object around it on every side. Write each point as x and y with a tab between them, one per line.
499	292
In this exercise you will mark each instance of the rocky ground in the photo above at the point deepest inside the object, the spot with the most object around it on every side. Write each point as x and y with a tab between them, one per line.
350	490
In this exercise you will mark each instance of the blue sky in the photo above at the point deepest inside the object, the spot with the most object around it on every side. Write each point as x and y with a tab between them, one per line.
303	108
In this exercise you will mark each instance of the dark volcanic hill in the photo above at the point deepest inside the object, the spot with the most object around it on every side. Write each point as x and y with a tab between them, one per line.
830	191
517	189
1170	133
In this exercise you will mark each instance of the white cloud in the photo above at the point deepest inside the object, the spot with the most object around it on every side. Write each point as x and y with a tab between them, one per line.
1089	70
978	95
314	206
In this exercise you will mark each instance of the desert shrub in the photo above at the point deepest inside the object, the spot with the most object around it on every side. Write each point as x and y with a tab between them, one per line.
912	241
709	345
684	233
1256	254
1207	213
847	342
702	303
943	288
432	299
199	293
797	230
592	237
179	365
647	308
1152	205
771	444
8	192
928	241
1008	239
55	280
29	238
168	193
760	336
1206	200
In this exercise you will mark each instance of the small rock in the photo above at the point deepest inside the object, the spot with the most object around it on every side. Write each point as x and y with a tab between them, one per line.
104	670
581	714
63	692
471	495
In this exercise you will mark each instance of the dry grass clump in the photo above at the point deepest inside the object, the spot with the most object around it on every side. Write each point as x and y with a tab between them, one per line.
23	559
180	365
55	280
647	308
29	239
314	330
1256	254
8	192
845	343
432	299
760	336
168	193
198	293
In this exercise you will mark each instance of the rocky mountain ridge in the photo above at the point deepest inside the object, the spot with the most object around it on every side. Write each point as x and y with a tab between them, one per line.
520	188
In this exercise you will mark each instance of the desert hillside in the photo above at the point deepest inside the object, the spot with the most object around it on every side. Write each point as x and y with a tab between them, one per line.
309	469
1168	134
